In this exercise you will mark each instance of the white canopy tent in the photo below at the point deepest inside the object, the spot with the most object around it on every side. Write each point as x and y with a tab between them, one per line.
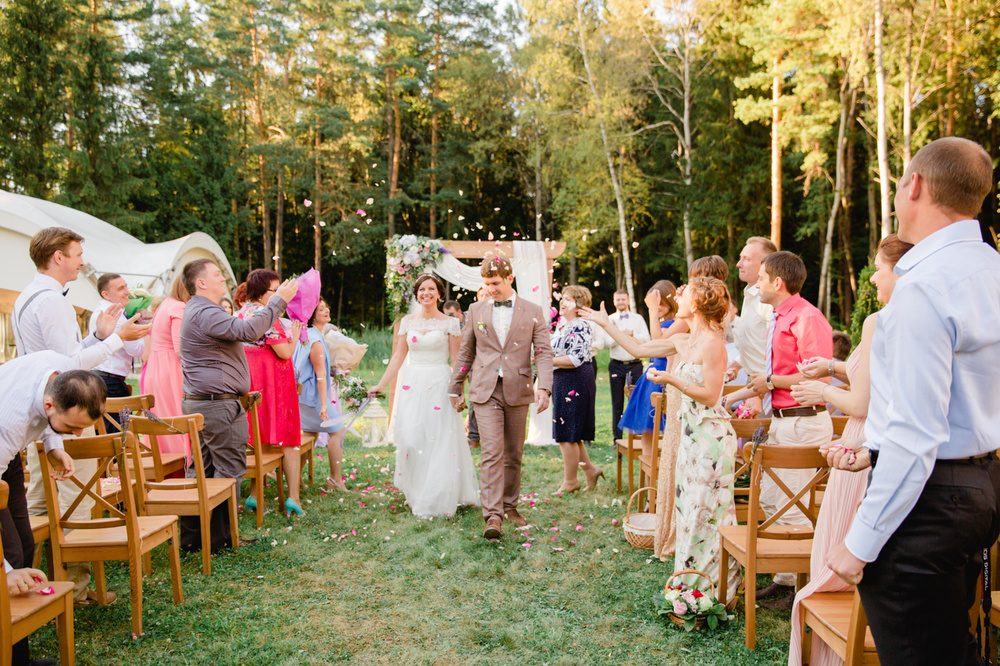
106	249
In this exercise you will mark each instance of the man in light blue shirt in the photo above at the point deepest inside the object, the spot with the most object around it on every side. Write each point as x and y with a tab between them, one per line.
932	504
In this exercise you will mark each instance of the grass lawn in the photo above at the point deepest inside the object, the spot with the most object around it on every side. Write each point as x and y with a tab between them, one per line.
359	580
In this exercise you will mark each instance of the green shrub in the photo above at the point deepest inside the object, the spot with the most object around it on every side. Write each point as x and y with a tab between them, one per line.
866	304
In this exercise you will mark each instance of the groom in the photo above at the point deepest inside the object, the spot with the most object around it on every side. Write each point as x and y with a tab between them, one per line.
497	342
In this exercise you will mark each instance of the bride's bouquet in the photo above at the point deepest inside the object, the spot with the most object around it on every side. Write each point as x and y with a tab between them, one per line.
353	391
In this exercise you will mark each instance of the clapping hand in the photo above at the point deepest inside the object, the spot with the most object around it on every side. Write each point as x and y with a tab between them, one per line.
133	330
809	393
816	367
599	317
296	330
107	320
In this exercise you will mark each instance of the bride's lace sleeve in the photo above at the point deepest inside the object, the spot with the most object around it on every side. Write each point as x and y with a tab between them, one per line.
404	326
453	327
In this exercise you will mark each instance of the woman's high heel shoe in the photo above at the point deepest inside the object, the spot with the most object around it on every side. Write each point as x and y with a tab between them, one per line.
291	506
592	480
251	503
565	490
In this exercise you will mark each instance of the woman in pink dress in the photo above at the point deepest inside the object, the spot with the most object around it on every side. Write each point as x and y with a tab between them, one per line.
162	374
272	372
844	490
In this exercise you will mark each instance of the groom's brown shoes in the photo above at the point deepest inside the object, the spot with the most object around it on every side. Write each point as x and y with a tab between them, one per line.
492	529
513	516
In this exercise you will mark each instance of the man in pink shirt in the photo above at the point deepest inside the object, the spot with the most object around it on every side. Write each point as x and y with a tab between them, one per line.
797	332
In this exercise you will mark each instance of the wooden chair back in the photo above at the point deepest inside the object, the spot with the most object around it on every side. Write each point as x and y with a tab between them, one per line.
191	425
250	402
747	429
764	460
658	401
839	423
107	450
113	406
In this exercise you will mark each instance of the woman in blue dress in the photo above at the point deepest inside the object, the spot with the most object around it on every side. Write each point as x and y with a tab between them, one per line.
638	415
316	412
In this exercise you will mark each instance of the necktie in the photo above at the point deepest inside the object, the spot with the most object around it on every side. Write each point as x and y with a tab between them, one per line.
768	364
503	304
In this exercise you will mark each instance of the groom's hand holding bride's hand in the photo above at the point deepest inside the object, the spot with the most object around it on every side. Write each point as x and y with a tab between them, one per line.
458	402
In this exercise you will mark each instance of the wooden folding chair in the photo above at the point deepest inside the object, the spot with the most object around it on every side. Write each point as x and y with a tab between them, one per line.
767	547
157	465
307	443
22	615
629	448
746	429
838	619
261	458
185	497
125	535
649	466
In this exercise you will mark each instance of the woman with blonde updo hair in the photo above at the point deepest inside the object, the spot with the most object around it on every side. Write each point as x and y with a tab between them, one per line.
706	457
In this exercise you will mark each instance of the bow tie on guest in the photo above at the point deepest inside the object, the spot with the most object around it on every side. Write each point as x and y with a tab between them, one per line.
624	315
66	292
503	304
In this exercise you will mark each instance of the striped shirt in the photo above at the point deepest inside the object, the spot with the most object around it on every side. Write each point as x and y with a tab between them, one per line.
22	410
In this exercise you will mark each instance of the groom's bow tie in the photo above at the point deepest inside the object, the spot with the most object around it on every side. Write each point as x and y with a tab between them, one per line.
503	304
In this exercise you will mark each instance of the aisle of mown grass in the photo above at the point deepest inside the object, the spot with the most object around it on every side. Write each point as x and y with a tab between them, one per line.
359	580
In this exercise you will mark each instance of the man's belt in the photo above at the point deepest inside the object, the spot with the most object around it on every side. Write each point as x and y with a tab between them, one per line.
101	373
945	461
800	411
212	396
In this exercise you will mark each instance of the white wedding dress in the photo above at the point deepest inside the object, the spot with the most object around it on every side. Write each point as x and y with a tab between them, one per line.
434	468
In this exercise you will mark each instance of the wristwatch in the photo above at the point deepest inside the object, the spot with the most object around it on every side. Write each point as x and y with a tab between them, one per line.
769	384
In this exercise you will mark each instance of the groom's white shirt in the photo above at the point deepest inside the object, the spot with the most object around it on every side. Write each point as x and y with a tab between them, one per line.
501	321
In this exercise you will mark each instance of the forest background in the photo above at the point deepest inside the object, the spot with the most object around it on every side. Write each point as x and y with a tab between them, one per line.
644	133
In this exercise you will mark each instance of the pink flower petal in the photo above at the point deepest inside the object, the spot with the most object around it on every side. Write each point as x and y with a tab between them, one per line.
579	527
526	545
406	388
437	409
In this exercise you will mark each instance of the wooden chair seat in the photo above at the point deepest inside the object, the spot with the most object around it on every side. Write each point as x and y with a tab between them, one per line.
39	528
995	610
23	607
268	459
22	615
790	555
218	489
830	615
152	531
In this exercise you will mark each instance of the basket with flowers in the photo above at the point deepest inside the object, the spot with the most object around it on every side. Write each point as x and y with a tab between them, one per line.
688	606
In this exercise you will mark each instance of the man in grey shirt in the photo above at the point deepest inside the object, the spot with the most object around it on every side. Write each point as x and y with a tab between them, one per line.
215	366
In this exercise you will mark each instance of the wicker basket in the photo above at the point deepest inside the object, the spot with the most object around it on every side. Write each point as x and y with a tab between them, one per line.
699	621
639	527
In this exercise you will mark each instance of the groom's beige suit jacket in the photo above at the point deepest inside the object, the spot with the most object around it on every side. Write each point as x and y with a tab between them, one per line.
482	353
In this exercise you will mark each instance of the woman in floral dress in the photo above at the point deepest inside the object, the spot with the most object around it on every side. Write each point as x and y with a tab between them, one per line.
706	459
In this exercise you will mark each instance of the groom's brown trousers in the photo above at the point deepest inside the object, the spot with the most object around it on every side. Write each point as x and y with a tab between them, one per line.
501	439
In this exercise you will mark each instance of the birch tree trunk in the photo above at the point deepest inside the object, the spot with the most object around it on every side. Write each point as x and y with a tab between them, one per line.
846	113
883	141
609	155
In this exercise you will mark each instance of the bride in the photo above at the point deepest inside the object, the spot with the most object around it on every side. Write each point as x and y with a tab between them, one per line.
434	468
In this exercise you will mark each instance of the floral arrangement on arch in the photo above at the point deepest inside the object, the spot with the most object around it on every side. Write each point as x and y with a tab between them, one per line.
407	257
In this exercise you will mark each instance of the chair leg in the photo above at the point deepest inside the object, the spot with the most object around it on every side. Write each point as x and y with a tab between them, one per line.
206	540
234	524
100	583
631	470
259	496
175	565
36	561
147	563
64	629
723	575
50	567
135	575
618	478
279	474
750	605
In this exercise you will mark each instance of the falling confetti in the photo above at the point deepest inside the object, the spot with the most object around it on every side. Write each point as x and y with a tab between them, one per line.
361	213
307	203
369	201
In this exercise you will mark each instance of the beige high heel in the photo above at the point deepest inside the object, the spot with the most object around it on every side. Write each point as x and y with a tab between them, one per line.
564	490
592	480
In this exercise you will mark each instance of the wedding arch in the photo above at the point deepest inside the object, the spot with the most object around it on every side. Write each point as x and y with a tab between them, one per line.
408	256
